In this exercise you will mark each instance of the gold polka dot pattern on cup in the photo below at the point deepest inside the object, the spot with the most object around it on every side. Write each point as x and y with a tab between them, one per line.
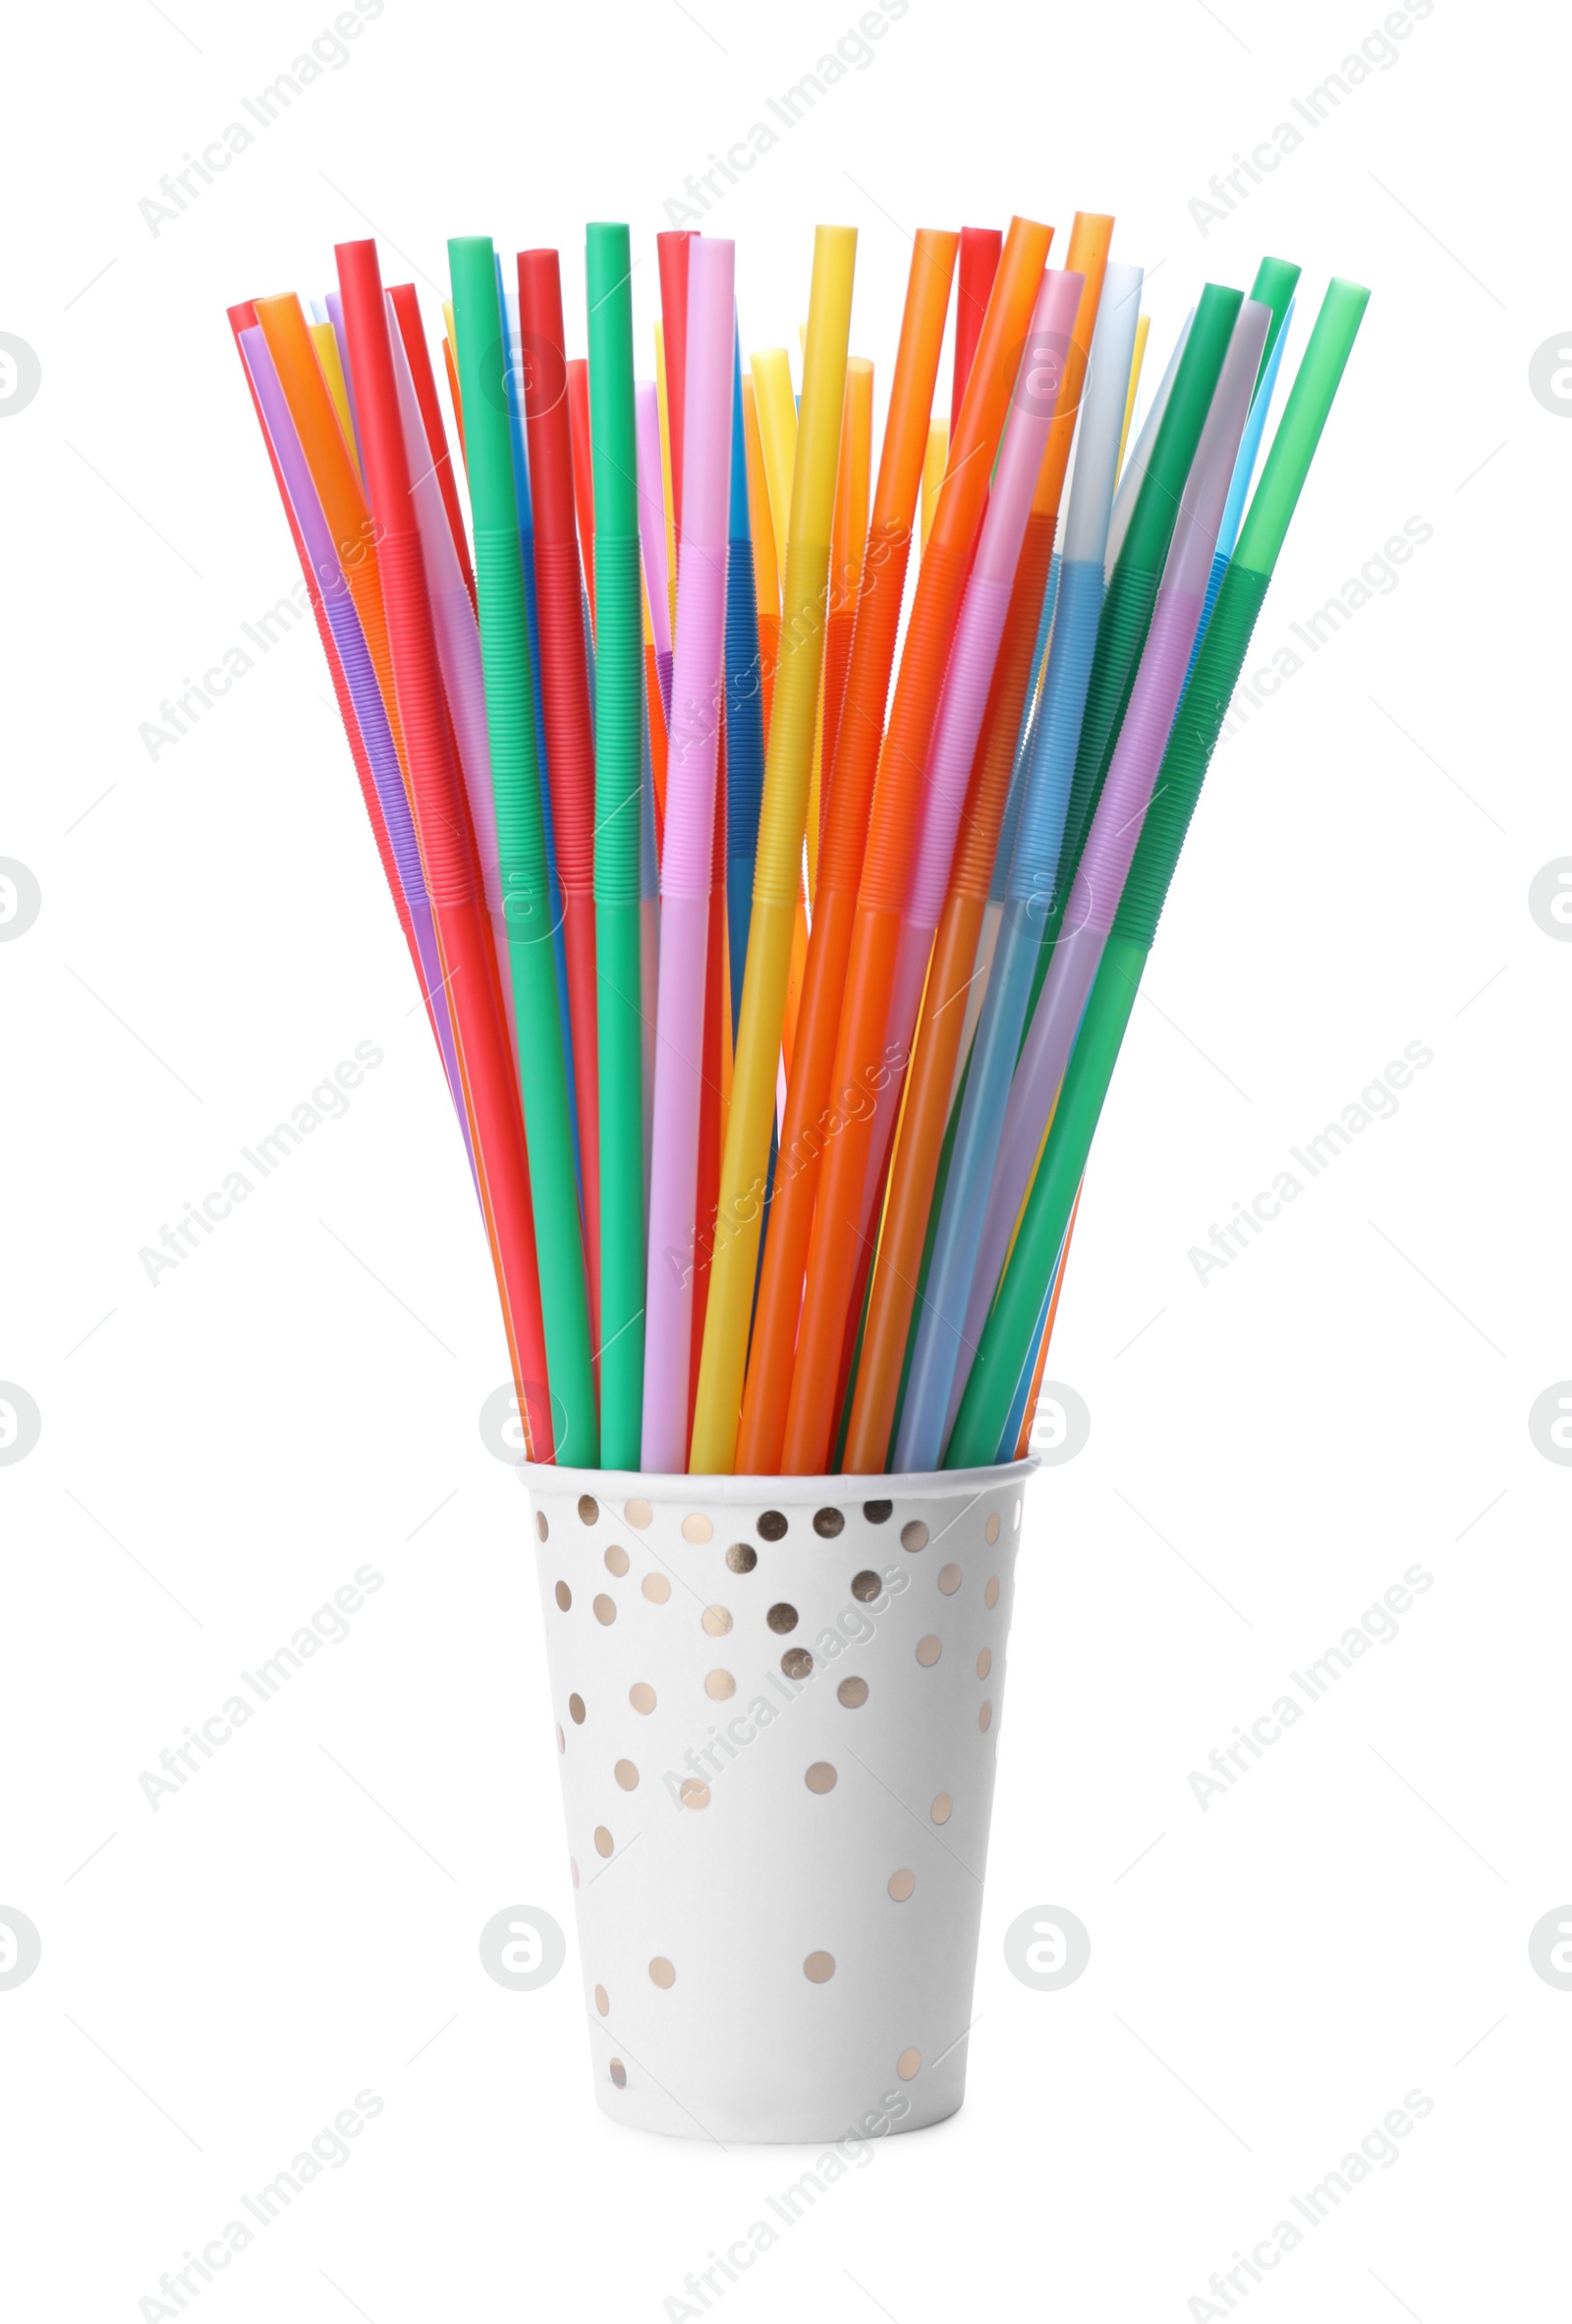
772	1526
878	1513
985	1717
866	1585
564	1597
819	1967
617	1560
589	1509
642	1698
541	1525
657	1588
984	1662
908	2064
562	1741
797	1662
990	1596
602	2000
991	1531
914	1534
720	1685
627	1775
576	1710
950	1580
820	1777
901	1885
639	1514
693	1794
741	1556
853	1693
603	1841
782	1617
696	1527
662	1974
619	2074
828	1524
942	1808
928	1650
716	1622
605	1609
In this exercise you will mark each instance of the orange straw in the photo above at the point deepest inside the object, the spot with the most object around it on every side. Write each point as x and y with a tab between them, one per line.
936	1045
851	787
864	1075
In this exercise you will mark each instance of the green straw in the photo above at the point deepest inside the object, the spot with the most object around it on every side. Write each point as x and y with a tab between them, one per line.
619	703
521	850
1007	1337
1133	592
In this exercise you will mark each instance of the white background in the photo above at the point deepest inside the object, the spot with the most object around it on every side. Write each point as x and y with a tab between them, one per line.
1349	1397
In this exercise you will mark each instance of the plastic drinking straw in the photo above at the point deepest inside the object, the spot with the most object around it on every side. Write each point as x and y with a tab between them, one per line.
457	647
668	500
766	568
979	264
355	688
1133	470
620	842
325	341
1023	1412
865	1068
1248	449
851	781
1029	881
671	253
584	495
777	429
345	372
565	686
686	858
1010	1323
745	717
1142	334
1115	828
1166	457
934	460
777	873
968	693
521	838
848	539
523	503
957	968
652	533
406	306
392	588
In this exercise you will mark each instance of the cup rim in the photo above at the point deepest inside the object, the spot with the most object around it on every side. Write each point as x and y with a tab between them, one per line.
628	1484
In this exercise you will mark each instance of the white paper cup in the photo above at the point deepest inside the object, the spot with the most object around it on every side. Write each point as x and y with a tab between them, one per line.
778	1705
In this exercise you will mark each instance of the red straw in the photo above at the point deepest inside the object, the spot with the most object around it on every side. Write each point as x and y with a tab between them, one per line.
407	311
448	844
980	263
584	474
565	688
673	253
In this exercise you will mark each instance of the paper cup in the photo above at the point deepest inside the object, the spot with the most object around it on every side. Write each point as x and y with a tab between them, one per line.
777	1708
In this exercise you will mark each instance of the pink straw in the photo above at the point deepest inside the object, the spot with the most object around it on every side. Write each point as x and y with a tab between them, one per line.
684	864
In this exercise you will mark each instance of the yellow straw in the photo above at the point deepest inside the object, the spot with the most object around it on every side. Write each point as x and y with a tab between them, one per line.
325	341
1143	326
777	870
777	425
933	460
